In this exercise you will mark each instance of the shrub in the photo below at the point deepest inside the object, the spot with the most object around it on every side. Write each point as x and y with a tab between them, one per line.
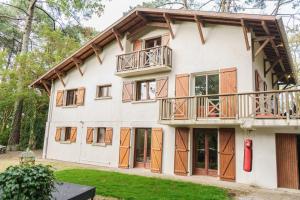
26	182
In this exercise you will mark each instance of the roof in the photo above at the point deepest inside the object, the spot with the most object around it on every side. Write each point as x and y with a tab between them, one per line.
139	17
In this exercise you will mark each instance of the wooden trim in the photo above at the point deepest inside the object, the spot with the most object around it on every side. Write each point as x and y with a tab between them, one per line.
97	52
262	47
272	66
245	34
199	26
168	21
158	24
78	62
117	35
60	78
46	87
139	15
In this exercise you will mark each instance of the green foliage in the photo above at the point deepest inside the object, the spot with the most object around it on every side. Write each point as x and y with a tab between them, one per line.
26	182
124	186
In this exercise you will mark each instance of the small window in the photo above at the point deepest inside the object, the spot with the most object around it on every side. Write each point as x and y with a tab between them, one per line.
71	97
153	42
146	90
67	134
100	134
103	91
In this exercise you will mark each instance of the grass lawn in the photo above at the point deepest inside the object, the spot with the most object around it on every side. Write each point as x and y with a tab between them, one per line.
124	186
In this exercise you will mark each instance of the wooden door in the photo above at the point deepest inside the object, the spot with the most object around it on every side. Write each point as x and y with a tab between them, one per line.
181	151
228	85
227	153
156	150
181	90
124	148
287	161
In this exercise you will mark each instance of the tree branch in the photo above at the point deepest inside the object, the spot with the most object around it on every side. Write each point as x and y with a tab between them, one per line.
21	9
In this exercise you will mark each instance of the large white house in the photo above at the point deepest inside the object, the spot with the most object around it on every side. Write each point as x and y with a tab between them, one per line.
180	92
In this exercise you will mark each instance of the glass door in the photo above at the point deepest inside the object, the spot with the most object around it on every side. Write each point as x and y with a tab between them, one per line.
205	153
142	147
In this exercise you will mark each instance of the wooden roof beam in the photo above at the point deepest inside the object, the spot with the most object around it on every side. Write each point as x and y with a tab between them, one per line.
262	38
158	24
118	35
60	78
97	51
200	25
262	47
168	20
46	87
245	34
78	63
272	66
141	16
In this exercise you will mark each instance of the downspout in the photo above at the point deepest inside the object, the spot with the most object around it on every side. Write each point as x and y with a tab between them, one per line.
49	120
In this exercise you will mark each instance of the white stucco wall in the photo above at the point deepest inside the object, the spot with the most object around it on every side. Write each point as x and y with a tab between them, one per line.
224	48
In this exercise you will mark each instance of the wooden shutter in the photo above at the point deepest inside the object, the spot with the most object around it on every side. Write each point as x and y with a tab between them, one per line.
227	153
73	134
228	85
89	135
162	87
124	147
156	150
181	90
137	45
287	161
127	94
108	136
58	134
165	39
80	96
181	151
59	98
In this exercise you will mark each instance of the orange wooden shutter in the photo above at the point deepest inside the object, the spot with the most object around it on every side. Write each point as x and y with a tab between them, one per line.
181	90
156	149
108	136
162	87
165	39
137	45
127	94
287	161
228	85
58	134
181	151
124	147
227	153
59	98
73	134
89	135
80	96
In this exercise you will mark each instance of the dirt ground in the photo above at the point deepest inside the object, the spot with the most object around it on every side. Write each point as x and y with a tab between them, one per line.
236	190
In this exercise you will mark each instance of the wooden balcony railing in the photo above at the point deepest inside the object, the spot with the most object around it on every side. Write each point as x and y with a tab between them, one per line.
281	104
156	56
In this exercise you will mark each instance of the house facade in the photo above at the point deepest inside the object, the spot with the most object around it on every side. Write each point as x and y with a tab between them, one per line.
180	93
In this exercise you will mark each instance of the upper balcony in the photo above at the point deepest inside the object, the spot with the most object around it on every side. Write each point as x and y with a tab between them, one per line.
256	109
147	61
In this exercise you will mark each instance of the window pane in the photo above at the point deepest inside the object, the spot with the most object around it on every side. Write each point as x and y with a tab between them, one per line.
200	149
213	84
67	133
200	85
100	135
213	149
152	89
139	144
104	91
142	91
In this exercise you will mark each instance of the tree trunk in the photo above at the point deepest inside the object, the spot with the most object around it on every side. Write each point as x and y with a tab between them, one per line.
18	108
32	137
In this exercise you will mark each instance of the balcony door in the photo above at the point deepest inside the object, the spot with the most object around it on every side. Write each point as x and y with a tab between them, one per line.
207	84
142	148
152	54
205	152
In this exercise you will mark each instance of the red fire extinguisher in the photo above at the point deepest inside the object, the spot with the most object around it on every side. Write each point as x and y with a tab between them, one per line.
248	155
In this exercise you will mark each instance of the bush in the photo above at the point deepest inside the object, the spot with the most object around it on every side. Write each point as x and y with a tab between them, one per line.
26	182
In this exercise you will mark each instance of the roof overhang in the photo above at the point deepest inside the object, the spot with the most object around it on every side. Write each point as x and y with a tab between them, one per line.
139	17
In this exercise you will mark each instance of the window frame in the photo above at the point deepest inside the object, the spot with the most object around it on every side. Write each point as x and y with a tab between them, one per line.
137	90
74	97
63	135
98	91
206	74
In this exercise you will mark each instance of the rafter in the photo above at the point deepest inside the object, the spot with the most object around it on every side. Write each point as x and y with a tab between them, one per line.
60	78
245	34
117	35
141	16
168	20
97	52
78	63
263	38
199	26
262	47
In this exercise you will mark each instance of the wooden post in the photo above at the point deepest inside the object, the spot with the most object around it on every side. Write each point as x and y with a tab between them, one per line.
199	26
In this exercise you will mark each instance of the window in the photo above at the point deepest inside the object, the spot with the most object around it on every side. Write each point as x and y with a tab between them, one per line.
67	134
207	84
145	90
103	91
100	134
153	42
71	97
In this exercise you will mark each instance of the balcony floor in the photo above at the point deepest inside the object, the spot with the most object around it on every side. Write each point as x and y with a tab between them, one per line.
144	71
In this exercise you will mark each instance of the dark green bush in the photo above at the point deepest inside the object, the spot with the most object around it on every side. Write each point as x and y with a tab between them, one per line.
27	182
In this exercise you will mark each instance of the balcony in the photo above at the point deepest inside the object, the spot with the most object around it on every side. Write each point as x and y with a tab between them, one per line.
269	108
147	61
